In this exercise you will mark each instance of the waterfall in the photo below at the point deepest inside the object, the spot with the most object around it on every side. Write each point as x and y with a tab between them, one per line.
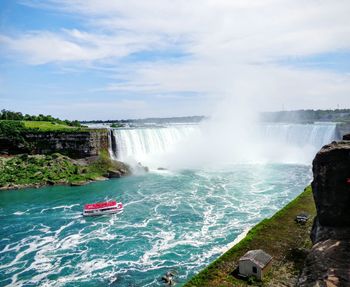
141	144
138	143
300	135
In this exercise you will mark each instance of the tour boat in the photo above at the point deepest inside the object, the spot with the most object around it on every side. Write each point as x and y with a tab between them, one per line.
100	208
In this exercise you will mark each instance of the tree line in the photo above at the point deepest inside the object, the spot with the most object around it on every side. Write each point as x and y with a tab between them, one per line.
18	116
341	115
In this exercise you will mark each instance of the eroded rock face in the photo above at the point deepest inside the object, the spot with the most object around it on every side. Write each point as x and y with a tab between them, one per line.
328	264
346	137
331	184
73	144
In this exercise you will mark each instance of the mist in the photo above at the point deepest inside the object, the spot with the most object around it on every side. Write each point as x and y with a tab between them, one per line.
234	134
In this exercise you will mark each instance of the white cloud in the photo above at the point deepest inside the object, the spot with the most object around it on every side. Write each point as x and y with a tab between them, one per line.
234	46
43	47
245	30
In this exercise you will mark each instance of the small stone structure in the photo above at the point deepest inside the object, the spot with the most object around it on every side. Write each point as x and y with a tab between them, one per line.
255	263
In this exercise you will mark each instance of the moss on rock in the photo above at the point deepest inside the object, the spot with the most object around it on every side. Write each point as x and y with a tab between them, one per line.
38	170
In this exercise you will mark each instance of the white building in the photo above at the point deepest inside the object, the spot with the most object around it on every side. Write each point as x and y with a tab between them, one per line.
255	263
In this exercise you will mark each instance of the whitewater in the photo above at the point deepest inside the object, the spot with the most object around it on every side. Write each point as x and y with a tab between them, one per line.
177	219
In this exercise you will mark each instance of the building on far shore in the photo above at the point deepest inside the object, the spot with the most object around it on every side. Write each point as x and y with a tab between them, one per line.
255	263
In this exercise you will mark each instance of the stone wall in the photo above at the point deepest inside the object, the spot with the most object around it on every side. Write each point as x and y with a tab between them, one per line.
74	144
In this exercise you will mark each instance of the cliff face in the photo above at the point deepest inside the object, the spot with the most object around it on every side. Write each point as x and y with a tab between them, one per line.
73	144
331	169
328	263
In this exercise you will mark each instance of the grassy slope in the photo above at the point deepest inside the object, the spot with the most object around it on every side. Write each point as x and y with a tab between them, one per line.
32	170
280	236
48	126
42	126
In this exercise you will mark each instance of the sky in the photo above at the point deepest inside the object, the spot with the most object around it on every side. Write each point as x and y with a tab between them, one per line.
114	59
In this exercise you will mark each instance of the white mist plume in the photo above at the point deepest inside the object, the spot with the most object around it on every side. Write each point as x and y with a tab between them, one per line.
234	135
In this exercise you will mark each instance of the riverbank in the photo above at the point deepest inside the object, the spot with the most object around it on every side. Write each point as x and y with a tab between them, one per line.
23	171
287	241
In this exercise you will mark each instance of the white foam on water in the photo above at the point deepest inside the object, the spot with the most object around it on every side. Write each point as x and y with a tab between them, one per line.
64	207
184	227
239	238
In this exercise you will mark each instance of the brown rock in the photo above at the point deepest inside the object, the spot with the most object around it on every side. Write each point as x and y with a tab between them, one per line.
78	183
328	264
331	186
114	174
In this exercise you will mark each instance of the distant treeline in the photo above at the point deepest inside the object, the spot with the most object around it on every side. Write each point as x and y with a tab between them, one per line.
17	116
338	115
189	119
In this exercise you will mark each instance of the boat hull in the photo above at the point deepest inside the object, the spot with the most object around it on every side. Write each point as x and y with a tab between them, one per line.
98	213
104	208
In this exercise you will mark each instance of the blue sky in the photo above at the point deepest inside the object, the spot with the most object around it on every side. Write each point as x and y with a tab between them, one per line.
89	59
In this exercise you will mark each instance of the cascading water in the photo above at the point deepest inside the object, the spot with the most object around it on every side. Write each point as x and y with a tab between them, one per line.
301	135
143	144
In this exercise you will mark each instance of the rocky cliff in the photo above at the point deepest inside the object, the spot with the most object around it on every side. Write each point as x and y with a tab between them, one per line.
328	263
74	144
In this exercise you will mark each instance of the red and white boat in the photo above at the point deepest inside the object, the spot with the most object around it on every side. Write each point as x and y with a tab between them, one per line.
100	208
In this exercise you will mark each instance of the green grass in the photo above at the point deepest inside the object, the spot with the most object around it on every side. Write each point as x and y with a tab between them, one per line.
49	126
279	235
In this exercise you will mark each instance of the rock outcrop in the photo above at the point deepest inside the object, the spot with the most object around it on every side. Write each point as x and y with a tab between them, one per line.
73	144
331	184
328	263
346	137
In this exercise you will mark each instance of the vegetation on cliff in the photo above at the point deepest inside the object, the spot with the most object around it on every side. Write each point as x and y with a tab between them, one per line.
280	236
34	137
17	116
37	170
15	131
45	126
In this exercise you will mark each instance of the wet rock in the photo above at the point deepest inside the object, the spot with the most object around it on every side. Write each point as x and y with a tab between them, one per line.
346	137
114	173
121	167
78	183
168	278
50	182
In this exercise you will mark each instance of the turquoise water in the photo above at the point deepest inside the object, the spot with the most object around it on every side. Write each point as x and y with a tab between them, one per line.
177	221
